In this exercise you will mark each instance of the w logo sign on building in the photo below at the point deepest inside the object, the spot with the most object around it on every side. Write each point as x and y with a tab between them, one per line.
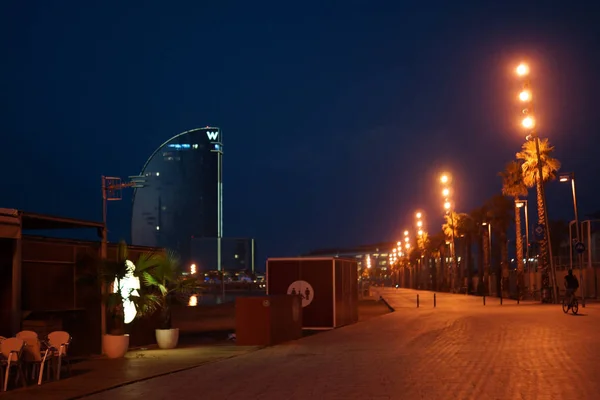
212	135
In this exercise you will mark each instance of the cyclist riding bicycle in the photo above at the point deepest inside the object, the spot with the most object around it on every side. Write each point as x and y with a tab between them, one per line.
571	286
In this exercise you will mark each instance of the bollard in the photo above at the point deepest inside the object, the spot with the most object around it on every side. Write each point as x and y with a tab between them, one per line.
417	301
500	299
434	301
518	299
484	299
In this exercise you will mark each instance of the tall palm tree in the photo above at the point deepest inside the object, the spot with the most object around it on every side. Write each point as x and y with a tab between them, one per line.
456	226
513	186
469	230
550	167
423	262
499	214
436	249
479	216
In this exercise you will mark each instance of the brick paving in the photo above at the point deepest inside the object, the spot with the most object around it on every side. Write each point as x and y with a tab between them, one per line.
458	350
98	374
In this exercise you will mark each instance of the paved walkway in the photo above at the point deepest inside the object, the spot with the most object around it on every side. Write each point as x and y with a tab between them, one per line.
458	350
97	374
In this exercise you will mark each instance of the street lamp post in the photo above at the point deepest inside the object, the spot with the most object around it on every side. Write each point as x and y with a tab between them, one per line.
529	123
566	178
523	204
420	245
489	258
446	193
112	191
407	253
571	223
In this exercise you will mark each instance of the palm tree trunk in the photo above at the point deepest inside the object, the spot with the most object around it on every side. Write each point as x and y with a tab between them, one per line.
488	263
443	269
480	263
543	255
520	265
469	240
504	265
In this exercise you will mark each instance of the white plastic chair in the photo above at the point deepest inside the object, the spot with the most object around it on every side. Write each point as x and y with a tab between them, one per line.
12	349
34	356
26	335
60	341
2	338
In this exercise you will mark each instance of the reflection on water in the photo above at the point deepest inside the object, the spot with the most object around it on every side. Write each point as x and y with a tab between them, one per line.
214	299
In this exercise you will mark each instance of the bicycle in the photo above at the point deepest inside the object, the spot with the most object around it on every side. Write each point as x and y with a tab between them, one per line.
574	305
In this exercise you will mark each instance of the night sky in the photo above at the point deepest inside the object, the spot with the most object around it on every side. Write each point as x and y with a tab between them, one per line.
337	116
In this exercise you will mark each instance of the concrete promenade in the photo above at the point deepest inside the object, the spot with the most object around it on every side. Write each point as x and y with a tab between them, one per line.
458	350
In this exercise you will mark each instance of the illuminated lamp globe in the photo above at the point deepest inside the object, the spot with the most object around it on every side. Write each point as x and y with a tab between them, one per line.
522	69
528	122
525	95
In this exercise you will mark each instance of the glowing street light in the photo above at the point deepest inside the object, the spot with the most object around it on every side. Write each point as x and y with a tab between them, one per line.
406	239
446	194
419	215
420	233
523	69
525	95
528	122
193	269
405	233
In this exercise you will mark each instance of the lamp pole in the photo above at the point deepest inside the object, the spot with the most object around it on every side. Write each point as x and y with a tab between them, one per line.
489	257
420	246
111	191
529	123
524	204
448	206
579	234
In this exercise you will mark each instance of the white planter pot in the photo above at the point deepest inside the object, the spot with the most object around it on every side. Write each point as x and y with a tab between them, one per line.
115	346
167	338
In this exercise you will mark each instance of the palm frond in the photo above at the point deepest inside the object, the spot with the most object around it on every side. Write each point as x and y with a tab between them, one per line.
529	166
512	180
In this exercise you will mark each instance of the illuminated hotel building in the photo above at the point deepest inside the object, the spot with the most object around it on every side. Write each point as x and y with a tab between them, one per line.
182	197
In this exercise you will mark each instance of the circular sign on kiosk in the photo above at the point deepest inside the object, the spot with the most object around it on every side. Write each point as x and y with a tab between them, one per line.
304	289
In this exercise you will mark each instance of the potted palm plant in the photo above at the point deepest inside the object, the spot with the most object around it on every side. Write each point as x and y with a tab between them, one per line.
162	273
122	300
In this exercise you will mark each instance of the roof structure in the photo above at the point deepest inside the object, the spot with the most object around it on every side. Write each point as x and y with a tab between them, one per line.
34	221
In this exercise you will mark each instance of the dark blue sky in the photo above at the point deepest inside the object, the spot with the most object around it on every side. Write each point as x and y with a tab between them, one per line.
337	116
